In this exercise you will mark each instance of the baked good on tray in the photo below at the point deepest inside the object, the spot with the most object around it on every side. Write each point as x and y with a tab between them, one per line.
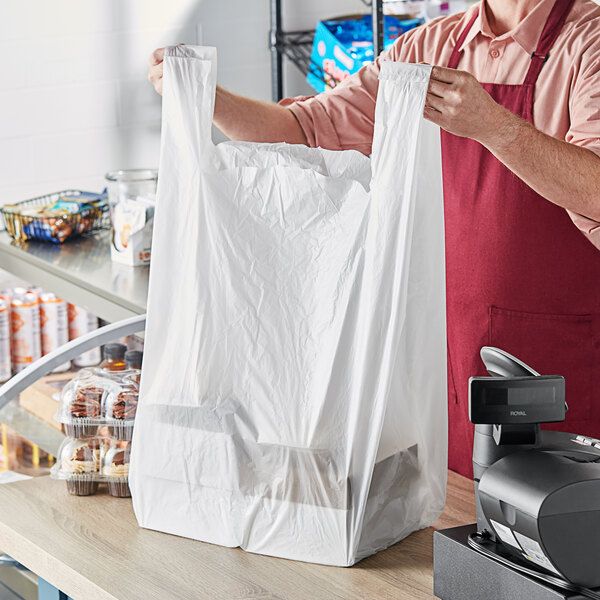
79	465
116	469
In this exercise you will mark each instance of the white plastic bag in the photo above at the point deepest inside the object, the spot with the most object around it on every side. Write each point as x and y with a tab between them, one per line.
293	397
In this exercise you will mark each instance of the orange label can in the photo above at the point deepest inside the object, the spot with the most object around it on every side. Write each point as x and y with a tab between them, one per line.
26	343
54	326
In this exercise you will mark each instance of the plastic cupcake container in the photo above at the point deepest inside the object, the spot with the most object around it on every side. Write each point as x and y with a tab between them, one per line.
115	469
120	409
79	465
97	409
82	403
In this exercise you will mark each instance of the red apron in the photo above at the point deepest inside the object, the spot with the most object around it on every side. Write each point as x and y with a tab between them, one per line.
520	275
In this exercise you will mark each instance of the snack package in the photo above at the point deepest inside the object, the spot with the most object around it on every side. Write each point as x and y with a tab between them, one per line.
132	223
64	215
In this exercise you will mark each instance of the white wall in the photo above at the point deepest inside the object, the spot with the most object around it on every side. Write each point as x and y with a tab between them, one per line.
74	100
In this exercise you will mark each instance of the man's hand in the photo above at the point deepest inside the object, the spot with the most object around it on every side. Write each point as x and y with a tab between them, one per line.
241	118
457	102
155	72
563	173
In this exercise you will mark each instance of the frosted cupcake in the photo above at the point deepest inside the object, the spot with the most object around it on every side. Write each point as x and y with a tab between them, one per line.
80	465
84	406
120	410
116	470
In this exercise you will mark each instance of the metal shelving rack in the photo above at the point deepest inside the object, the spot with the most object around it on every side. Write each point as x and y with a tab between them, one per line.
297	45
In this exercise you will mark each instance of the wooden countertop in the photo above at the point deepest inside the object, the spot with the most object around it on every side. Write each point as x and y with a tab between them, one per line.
92	549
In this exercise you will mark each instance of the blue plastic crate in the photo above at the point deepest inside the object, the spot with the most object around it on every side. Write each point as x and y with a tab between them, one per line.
343	46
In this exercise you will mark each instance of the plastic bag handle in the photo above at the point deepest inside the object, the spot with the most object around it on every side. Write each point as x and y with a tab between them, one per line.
68	351
190	85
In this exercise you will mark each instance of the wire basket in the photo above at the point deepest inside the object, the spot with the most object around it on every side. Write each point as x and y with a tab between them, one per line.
57	228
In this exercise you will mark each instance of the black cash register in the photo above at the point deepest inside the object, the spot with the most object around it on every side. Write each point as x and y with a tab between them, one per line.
537	534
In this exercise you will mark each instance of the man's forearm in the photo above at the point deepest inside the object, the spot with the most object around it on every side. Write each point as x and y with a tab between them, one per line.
245	119
563	173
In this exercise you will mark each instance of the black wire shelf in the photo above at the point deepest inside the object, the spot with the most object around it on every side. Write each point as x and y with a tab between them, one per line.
296	46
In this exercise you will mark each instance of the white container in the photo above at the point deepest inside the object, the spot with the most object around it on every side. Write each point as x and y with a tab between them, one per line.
130	184
132	224
131	196
54	326
81	322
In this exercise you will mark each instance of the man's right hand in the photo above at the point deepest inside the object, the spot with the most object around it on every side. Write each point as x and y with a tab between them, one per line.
155	71
241	118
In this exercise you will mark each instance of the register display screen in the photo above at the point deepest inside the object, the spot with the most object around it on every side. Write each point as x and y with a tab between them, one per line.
497	400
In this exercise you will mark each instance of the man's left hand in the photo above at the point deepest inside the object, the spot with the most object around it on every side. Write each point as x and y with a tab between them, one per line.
457	102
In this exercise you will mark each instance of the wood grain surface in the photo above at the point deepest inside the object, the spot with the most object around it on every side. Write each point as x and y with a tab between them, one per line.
92	549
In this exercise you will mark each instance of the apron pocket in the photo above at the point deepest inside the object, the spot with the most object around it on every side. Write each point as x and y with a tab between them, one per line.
552	345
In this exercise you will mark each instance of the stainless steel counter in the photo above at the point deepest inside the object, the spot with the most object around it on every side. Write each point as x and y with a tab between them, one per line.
81	272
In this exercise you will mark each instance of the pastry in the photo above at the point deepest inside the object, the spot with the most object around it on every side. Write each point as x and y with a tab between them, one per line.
122	410
85	405
80	466
116	471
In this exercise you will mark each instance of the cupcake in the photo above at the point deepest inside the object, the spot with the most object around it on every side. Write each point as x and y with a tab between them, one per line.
85	404
133	375
121	408
116	470
80	466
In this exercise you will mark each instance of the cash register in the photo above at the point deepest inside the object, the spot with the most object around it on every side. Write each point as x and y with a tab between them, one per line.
537	494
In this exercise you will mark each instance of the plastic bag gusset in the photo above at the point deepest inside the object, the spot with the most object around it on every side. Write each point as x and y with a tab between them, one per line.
402	367
293	380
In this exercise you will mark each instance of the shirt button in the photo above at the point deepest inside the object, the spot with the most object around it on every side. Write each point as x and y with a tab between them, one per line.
494	53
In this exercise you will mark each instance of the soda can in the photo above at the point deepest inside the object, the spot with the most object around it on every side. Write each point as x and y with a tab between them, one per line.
5	358
7	294
80	322
26	342
54	325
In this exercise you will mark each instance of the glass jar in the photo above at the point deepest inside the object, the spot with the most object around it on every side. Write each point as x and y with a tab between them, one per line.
114	357
130	184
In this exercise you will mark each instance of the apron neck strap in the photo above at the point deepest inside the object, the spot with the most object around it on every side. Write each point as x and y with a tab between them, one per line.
554	25
457	52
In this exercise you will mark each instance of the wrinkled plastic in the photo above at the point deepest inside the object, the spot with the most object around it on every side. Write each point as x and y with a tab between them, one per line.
293	394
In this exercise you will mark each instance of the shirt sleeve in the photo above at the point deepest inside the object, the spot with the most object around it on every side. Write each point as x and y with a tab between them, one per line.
589	228
584	130
584	103
343	118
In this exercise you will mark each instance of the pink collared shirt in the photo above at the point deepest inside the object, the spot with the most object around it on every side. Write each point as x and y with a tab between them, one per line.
567	96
